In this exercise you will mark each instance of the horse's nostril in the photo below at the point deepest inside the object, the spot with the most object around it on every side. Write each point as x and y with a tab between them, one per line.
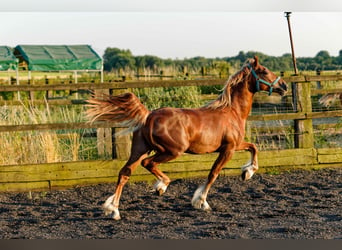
283	86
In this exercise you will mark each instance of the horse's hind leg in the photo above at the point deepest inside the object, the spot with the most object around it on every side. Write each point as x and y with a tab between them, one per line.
151	163
139	151
251	167
112	203
199	200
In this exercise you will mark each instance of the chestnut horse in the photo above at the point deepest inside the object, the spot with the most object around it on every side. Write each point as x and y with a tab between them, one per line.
216	127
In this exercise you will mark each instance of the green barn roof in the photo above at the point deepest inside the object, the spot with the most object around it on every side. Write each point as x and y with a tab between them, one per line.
58	57
7	59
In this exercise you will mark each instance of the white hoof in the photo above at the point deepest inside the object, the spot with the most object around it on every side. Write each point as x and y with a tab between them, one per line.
116	214
160	187
199	200
109	208
248	171
201	204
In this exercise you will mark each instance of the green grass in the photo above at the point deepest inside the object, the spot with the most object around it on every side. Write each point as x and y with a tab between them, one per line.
185	97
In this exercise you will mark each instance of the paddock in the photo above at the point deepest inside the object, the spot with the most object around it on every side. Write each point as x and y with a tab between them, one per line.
282	201
296	204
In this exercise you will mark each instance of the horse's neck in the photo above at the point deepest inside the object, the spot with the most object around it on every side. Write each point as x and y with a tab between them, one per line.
242	100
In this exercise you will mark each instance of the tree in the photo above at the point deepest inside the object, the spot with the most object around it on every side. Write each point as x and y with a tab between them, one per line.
323	58
339	58
153	62
241	56
140	62
115	58
323	54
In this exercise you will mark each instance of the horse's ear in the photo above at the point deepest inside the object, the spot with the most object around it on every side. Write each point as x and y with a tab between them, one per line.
256	61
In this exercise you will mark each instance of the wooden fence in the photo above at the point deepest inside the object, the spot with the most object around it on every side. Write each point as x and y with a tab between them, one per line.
66	174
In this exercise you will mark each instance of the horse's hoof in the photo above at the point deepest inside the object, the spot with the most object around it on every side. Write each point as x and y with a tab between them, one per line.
109	208
160	187
243	175
160	192
116	216
247	174
202	206
206	206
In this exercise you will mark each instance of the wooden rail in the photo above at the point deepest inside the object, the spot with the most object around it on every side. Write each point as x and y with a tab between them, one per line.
153	83
85	125
56	126
112	85
68	174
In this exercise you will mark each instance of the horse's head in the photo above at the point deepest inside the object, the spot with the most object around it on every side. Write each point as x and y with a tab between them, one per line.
266	80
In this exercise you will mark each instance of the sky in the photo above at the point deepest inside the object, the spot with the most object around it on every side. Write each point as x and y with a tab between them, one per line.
176	29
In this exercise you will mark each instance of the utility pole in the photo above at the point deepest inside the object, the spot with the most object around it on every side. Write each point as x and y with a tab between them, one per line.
287	15
301	99
293	84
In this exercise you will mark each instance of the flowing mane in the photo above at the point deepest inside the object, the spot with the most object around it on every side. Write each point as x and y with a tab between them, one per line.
224	99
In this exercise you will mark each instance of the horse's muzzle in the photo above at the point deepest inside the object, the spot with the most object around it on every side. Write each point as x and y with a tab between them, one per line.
281	88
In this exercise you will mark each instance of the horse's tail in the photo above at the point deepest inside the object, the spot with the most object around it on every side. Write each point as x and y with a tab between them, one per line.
328	99
126	110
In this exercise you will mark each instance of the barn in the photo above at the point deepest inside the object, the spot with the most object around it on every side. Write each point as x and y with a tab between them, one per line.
59	58
7	60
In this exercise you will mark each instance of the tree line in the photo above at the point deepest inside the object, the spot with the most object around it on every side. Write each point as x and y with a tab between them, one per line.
123	59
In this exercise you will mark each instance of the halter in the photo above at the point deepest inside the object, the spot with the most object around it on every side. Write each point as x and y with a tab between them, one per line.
258	80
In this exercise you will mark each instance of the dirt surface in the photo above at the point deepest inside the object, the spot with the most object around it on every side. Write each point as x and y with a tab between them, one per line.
295	205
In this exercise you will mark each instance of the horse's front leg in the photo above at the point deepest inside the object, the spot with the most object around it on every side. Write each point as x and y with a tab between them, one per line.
199	200
252	166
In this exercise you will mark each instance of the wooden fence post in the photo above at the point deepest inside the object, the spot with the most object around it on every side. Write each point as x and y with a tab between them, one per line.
48	93
121	144
304	127
104	135
318	73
